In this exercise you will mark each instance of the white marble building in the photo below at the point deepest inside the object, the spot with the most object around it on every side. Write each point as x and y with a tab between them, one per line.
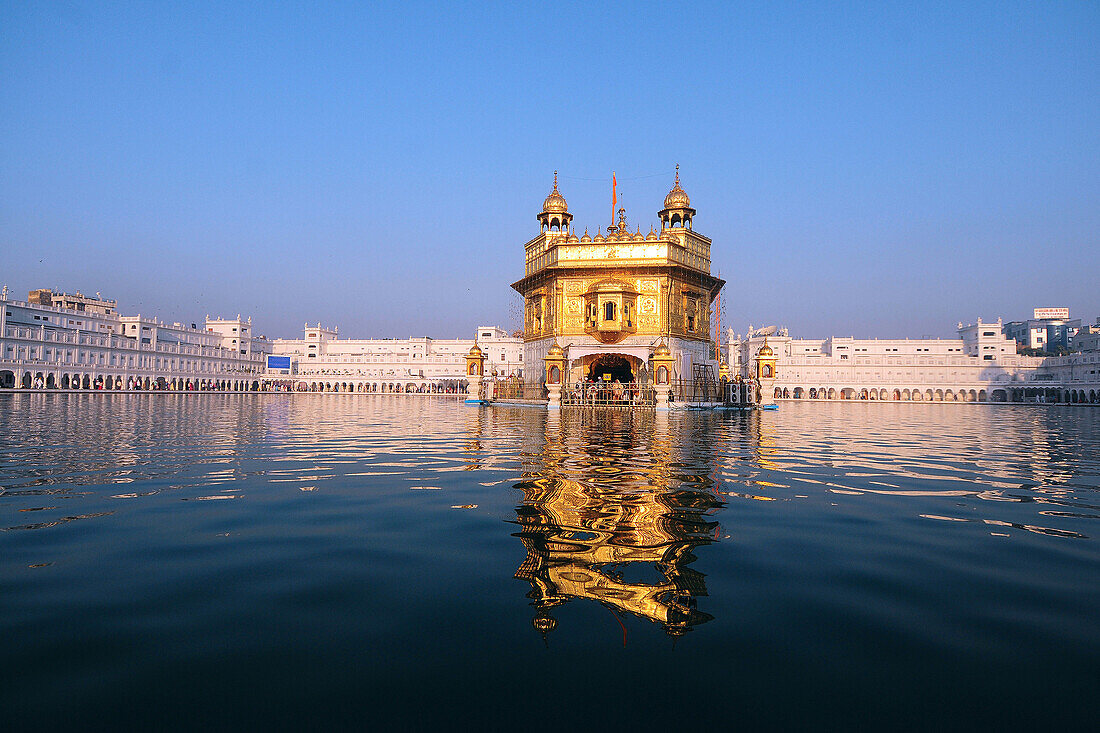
73	341
981	365
320	361
57	347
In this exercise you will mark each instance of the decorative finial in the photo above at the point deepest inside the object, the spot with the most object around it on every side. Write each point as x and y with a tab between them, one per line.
677	174
555	180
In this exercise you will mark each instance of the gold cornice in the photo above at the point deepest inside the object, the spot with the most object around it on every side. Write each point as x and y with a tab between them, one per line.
706	282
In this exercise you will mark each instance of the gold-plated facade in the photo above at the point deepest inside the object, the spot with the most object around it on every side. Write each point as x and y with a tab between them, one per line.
625	288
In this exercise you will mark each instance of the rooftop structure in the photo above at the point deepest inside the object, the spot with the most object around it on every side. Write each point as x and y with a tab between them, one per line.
73	301
1049	329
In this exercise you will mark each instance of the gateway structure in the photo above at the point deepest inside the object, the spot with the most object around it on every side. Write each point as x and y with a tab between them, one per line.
619	305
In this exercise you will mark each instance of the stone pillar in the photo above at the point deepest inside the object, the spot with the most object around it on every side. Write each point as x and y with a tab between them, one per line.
475	391
767	392
554	394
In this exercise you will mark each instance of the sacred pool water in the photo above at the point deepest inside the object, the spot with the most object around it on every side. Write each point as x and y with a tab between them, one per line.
370	561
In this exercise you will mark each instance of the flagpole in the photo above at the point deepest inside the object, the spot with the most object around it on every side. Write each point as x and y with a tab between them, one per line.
614	184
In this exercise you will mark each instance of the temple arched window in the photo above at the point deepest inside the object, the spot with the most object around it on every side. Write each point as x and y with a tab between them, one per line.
609	311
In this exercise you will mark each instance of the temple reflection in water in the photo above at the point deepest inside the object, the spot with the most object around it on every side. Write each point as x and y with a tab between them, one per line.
612	515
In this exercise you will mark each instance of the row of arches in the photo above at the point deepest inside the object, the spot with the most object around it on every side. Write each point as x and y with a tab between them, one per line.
442	387
1053	395
883	395
118	382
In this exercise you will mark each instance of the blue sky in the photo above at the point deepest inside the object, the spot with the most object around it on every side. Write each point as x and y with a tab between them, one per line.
879	169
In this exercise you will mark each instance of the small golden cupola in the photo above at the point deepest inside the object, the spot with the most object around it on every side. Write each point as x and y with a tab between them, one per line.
556	363
475	361
765	362
677	211
662	364
555	212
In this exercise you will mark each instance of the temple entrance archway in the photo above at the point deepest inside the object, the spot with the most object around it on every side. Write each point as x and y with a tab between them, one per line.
609	366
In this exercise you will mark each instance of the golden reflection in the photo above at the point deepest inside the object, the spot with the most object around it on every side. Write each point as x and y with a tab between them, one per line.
613	515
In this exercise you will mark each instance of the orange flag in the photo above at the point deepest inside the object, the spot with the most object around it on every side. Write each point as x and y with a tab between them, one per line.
614	195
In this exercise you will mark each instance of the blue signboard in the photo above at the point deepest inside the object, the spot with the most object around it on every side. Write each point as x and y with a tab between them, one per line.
278	362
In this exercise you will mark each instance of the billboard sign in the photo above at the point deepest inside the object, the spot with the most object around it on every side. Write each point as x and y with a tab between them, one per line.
1051	313
278	362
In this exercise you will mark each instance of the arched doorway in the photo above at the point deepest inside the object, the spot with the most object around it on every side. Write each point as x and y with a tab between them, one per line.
611	367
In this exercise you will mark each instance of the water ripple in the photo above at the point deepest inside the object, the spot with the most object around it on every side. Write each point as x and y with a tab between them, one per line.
251	537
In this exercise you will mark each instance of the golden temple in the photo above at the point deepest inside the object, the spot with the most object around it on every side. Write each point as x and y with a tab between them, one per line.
601	306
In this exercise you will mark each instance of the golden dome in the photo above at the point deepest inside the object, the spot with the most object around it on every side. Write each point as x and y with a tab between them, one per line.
662	350
765	350
572	238
598	237
676	198
652	236
555	350
475	351
586	238
555	202
638	236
